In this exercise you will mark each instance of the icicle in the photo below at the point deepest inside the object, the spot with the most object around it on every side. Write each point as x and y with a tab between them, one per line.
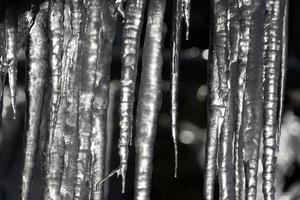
225	156
149	99
37	74
275	10
244	11
55	55
3	67
72	26
252	120
283	70
130	54
56	155
178	14
215	116
11	55
100	104
55	145
114	90
86	97
186	9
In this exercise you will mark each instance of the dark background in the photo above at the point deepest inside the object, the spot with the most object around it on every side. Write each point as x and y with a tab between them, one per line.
192	119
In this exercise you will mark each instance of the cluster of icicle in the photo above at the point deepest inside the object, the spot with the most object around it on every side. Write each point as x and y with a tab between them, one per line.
69	51
68	56
247	72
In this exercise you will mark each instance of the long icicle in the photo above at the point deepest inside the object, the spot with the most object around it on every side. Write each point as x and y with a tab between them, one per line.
275	9
101	102
244	11
56	154
252	121
214	114
55	17
225	156
114	91
234	102
11	55
176	37
54	147
72	27
3	66
283	69
149	99
37	74
86	97
130	53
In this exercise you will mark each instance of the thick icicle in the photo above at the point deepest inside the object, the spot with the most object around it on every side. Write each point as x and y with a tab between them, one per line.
252	120
225	156
73	27
273	56
55	147
36	78
86	97
215	115
56	154
100	104
130	54
149	99
11	55
55	56
283	69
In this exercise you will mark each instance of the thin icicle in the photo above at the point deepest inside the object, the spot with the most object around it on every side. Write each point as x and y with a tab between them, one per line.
100	104
149	99
37	74
72	26
186	9
283	69
130	54
178	14
11	55
3	67
273	56
86	97
252	119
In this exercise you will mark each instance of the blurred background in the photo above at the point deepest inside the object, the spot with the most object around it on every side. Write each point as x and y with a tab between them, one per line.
192	121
